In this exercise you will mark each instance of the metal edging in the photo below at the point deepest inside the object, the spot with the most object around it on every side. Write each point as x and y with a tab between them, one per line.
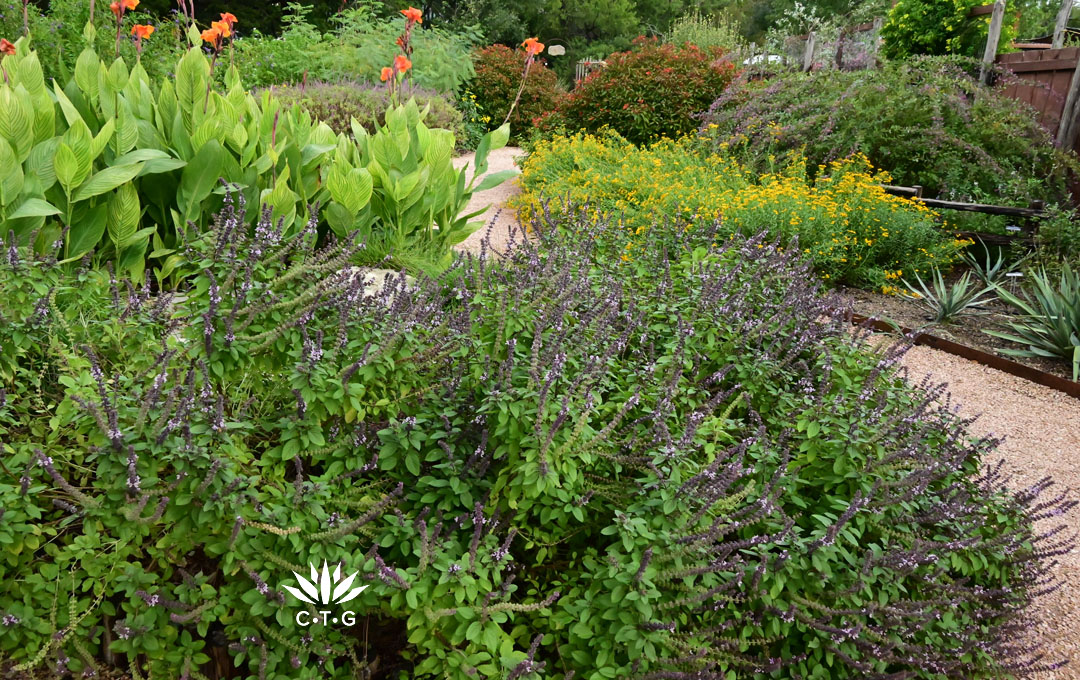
985	358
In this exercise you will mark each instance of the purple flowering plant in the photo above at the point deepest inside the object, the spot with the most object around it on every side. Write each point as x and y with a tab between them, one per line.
926	121
543	464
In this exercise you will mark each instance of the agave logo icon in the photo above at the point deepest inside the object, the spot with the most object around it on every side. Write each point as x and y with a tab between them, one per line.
324	590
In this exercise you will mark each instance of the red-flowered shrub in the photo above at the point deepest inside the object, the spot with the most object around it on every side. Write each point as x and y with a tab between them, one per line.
651	91
498	76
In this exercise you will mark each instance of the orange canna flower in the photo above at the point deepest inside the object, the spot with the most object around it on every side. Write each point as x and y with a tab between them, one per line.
211	35
130	4
115	7
402	63
386	74
533	47
222	27
142	31
413	15
6	46
229	18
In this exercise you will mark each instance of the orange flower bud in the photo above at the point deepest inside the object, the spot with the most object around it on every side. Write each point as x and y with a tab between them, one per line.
6	46
115	7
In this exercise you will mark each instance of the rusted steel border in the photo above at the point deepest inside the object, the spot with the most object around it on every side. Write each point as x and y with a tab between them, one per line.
985	358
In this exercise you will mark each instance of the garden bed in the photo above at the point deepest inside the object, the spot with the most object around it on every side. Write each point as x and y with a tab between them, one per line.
966	330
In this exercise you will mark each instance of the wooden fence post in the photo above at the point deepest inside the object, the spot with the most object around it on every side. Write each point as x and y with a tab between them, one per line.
808	57
1066	134
879	22
992	39
1062	23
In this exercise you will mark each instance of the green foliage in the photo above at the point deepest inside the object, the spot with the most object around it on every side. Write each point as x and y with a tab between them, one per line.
650	92
526	465
927	121
355	50
991	267
937	27
705	31
499	70
116	167
1058	236
946	302
337	104
1049	323
58	37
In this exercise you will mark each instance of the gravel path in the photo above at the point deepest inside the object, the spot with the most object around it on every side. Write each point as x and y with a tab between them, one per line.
504	219
1041	429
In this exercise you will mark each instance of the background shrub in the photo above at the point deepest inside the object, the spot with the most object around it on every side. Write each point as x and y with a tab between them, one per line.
498	77
649	92
530	468
932	27
354	50
336	104
844	223
706	31
926	121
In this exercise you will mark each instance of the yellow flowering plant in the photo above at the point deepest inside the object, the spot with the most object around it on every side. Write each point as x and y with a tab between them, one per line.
843	221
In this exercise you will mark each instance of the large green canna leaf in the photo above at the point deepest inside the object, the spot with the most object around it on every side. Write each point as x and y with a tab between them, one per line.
199	178
86	231
34	207
124	213
11	174
16	120
87	68
66	166
107	180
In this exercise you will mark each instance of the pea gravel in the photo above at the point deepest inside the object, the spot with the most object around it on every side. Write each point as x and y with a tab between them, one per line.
1041	432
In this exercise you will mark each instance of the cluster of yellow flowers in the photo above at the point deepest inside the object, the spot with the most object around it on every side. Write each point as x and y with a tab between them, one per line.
844	221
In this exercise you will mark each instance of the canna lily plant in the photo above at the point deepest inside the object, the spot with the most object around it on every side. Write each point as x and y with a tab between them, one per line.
124	168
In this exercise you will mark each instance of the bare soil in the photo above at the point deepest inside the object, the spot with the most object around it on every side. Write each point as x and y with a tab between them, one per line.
966	330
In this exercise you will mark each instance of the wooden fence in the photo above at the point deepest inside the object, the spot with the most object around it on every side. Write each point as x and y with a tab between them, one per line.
1043	78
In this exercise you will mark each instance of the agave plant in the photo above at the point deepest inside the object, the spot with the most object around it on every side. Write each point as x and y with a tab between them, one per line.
1049	324
946	302
989	269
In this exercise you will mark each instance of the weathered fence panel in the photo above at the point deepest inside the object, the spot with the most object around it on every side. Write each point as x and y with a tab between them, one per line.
1042	80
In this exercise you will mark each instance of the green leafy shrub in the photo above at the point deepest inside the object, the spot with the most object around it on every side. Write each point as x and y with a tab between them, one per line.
938	27
116	167
337	104
844	223
549	466
498	76
705	31
926	121
58	37
354	50
649	92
